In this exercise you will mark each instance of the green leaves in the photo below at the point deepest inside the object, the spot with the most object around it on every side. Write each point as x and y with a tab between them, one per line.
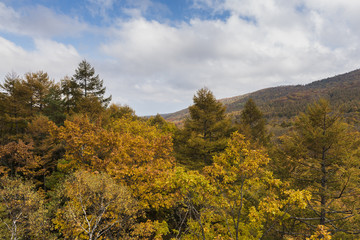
322	152
90	84
252	124
204	133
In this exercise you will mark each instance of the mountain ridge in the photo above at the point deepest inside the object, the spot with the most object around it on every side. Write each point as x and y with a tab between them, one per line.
284	102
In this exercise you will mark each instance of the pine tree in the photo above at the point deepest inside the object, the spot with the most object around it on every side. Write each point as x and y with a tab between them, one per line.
71	94
90	84
205	132
39	86
15	110
321	150
54	108
252	123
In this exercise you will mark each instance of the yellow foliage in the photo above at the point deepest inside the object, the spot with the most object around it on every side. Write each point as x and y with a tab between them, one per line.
321	233
248	194
95	207
22	210
131	151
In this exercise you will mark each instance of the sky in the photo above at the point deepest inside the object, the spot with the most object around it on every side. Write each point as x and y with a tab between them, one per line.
153	55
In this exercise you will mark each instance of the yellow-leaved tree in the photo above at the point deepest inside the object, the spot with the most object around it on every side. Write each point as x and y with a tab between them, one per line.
22	211
133	152
234	198
96	207
143	161
195	215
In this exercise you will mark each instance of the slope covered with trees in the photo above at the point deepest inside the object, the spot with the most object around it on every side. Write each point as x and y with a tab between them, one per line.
279	104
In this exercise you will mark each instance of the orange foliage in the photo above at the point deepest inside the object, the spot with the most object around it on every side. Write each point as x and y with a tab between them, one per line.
132	151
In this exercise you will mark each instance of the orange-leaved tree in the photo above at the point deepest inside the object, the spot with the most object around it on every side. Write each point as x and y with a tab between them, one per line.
18	159
132	151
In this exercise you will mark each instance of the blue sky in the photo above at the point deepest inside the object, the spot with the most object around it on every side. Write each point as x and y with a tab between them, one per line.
154	54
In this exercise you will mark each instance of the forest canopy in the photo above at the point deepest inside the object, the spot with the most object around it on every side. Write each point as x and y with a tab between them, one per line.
75	166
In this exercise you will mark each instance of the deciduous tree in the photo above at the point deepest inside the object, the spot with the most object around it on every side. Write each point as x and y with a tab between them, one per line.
194	211
133	152
96	207
22	212
17	159
249	198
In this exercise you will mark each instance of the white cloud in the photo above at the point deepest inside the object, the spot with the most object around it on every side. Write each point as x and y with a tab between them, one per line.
39	25
40	21
157	66
284	42
49	56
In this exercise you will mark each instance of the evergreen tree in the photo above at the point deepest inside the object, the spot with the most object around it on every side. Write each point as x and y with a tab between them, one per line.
321	150
71	94
252	123
39	86
205	132
54	108
15	110
90	84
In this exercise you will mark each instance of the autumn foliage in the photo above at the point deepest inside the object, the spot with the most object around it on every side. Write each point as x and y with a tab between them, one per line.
73	168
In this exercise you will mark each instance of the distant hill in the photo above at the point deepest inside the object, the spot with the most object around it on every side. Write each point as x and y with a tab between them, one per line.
282	103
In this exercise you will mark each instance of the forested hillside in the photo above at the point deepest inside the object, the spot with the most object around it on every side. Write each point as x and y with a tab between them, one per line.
74	166
282	103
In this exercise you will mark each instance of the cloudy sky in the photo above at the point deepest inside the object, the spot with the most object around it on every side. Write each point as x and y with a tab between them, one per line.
154	54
